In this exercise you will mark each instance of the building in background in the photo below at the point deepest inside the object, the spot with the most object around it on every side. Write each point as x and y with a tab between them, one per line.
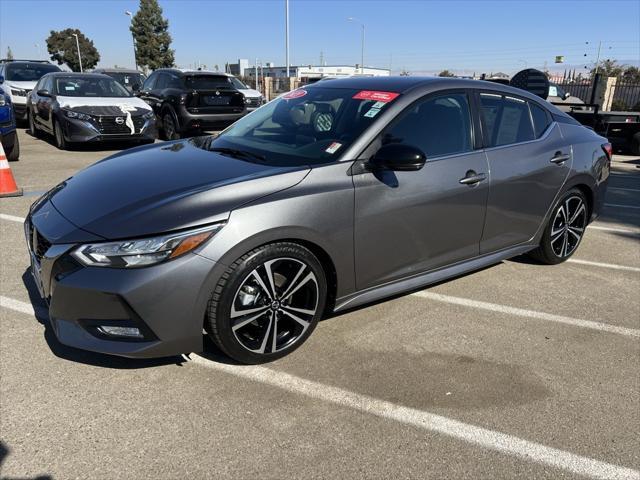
315	72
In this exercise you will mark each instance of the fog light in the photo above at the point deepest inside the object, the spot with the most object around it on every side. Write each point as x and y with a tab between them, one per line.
131	332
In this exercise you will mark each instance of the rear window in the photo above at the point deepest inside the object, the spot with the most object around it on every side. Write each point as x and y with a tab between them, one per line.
506	120
28	72
207	82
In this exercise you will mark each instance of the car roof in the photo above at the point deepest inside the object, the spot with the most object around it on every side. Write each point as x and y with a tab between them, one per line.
190	71
77	74
116	70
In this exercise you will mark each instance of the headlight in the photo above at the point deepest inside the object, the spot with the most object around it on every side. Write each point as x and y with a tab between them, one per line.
18	92
145	251
148	115
3	102
78	115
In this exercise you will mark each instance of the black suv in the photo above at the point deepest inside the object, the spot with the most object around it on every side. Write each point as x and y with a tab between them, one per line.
188	101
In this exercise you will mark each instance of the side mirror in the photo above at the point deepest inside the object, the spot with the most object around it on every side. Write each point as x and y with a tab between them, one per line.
1	79
135	87
566	95
398	157
43	93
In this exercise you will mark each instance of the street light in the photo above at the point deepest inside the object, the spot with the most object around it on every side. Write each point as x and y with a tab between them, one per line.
78	47
135	60
354	20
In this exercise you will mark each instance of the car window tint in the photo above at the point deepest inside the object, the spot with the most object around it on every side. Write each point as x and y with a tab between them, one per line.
540	119
149	82
173	82
506	120
161	82
438	126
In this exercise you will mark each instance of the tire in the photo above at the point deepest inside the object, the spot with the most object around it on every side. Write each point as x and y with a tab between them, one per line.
275	324
169	127
61	143
13	155
634	144
32	128
561	239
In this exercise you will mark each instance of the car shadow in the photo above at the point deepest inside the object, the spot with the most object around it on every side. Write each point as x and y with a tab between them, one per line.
4	453
83	356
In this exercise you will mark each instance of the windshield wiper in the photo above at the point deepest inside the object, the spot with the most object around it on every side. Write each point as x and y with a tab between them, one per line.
234	152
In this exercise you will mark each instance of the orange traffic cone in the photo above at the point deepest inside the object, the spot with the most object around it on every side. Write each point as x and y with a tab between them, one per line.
8	186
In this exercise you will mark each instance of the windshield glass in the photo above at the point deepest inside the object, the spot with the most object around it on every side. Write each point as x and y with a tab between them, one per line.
207	82
305	126
238	84
89	87
28	72
128	80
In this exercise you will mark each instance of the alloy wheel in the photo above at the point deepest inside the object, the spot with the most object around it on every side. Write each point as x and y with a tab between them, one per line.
169	127
568	226
274	305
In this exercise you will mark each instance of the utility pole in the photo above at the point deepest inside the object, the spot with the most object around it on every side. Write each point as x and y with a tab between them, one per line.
321	58
351	19
78	47
135	59
286	33
598	57
257	86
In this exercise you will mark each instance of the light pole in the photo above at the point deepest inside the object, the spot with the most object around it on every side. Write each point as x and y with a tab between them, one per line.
351	19
286	33
135	60
78	47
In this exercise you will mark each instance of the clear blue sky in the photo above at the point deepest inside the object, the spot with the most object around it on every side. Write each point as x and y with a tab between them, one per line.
416	35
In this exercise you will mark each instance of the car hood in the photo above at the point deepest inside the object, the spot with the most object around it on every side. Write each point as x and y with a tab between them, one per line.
164	187
250	92
104	105
22	85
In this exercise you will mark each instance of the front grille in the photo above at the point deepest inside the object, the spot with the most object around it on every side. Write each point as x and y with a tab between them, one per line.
38	244
108	125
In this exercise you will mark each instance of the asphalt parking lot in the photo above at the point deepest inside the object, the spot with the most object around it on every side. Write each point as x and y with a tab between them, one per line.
519	370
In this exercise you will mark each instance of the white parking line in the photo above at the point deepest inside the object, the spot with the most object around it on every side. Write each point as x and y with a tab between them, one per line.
490	439
521	312
617	205
11	218
483	437
604	265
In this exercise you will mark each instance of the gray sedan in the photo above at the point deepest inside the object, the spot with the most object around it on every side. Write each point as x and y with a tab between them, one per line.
330	197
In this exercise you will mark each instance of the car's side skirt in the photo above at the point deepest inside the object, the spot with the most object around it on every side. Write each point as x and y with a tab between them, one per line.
428	278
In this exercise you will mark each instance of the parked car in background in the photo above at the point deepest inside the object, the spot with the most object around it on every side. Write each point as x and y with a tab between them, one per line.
132	80
8	134
18	79
88	107
253	98
331	196
189	101
558	96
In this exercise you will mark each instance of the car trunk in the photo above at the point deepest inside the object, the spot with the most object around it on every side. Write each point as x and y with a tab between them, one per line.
215	101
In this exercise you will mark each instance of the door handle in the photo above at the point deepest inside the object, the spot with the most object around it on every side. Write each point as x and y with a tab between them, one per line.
473	178
559	158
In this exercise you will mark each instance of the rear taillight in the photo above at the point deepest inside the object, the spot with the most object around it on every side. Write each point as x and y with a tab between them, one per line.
608	149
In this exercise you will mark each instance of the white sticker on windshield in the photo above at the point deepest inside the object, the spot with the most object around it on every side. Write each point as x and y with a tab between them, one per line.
372	112
378	105
333	148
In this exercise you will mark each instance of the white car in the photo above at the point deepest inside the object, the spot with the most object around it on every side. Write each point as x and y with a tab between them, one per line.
253	98
18	77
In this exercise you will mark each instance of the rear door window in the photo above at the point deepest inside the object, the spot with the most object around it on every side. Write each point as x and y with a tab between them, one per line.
506	120
150	82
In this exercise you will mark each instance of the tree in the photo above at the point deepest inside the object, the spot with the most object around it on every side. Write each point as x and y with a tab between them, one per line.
631	74
63	49
9	54
446	73
151	33
608	68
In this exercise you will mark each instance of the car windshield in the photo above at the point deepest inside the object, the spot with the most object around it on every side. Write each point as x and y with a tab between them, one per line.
303	127
126	79
208	82
28	72
238	84
89	87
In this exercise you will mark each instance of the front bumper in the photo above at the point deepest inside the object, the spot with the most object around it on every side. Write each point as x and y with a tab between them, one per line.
19	110
166	302
79	131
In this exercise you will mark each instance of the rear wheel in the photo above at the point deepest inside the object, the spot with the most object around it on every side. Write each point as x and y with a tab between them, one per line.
267	303
169	127
565	230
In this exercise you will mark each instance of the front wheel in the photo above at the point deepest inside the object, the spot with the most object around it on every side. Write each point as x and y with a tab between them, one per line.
61	143
169	127
33	129
565	230
267	303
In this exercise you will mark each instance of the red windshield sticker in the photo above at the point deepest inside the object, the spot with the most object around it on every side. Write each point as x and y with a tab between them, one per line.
374	95
300	92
